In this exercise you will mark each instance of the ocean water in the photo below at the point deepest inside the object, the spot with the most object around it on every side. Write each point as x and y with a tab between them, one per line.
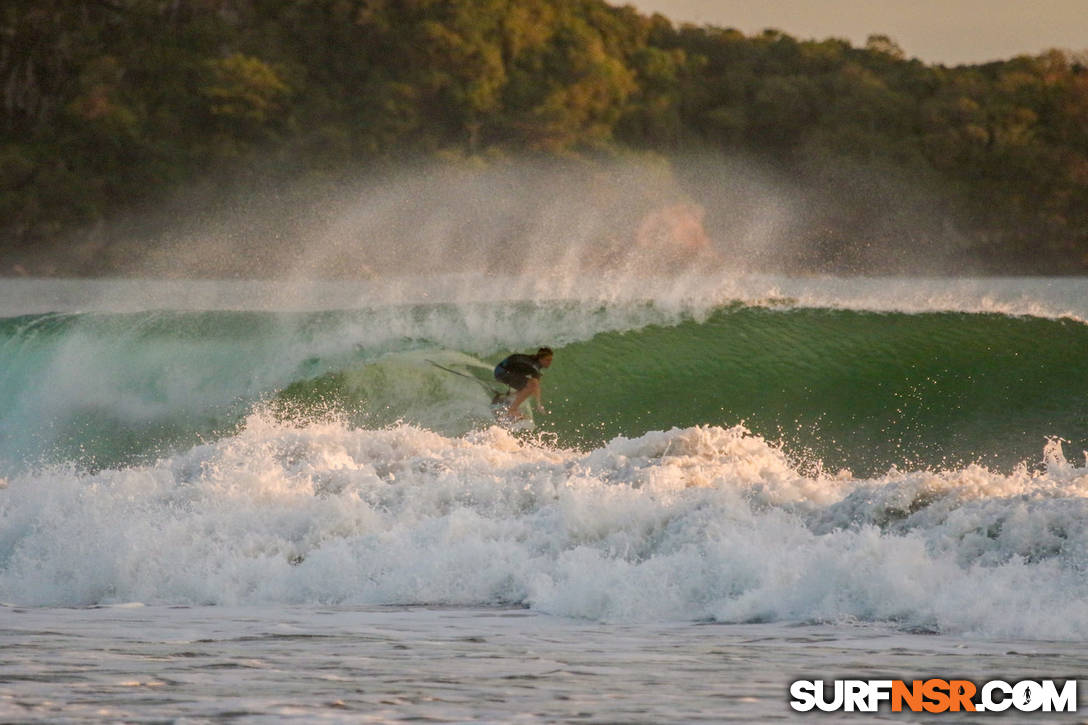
262	501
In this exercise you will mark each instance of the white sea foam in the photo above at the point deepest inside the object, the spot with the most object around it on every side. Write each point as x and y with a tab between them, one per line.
698	523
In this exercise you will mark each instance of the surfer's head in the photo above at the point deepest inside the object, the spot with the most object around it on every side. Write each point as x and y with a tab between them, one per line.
544	356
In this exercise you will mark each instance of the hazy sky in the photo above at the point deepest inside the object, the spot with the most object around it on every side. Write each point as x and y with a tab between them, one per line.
936	31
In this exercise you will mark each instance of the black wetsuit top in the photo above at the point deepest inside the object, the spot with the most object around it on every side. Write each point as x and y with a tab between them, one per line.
516	370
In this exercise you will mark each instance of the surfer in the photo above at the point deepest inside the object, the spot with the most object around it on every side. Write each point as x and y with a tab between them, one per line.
522	373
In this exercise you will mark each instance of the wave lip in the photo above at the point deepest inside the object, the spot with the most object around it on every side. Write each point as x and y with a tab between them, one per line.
694	523
692	293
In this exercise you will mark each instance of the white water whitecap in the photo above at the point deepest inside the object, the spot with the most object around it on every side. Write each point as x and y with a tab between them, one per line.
687	524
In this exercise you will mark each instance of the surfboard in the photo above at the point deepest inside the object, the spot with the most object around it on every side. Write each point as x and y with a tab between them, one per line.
500	408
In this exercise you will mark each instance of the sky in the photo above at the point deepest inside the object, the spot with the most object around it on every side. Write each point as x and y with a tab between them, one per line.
935	31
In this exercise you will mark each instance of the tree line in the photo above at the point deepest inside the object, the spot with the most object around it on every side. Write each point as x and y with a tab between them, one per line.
110	106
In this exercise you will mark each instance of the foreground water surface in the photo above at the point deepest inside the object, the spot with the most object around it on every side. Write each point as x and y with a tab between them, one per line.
310	664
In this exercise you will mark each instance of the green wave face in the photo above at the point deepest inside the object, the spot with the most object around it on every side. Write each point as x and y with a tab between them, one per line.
860	390
445	391
855	389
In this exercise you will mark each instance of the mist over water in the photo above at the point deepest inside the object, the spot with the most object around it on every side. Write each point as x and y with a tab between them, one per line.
641	215
511	218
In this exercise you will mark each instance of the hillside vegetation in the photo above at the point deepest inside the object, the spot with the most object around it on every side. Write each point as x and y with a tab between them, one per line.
117	113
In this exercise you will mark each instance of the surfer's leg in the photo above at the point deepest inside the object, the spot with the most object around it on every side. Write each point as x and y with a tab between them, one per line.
531	388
